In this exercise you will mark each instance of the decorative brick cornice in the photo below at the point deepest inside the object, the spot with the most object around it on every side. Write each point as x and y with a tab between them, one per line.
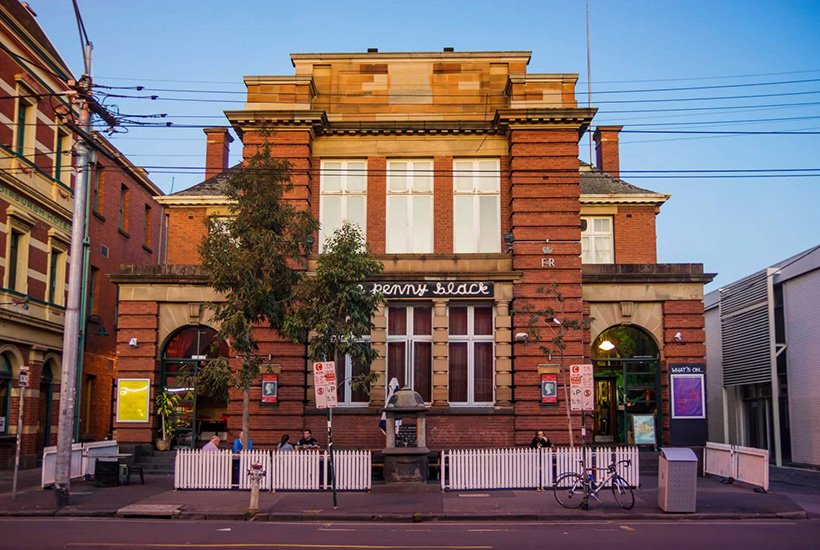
160	274
645	273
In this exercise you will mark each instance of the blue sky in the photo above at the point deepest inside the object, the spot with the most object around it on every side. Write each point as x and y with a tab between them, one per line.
733	225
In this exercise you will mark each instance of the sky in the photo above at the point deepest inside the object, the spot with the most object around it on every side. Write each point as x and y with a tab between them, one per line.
740	202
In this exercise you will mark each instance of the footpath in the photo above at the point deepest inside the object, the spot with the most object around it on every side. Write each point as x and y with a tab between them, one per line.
794	494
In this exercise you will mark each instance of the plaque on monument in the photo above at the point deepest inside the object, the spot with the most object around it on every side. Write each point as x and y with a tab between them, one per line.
406	436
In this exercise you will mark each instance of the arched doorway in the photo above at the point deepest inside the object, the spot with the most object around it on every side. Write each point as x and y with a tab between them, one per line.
626	360
195	416
6	376
45	407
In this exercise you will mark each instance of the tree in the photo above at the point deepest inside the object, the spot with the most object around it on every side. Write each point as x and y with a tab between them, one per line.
254	258
558	325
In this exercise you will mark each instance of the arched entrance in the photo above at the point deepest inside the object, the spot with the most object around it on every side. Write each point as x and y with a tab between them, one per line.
6	376
627	381
45	406
195	416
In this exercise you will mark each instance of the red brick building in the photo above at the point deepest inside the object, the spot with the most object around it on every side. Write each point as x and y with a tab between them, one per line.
463	172
37	170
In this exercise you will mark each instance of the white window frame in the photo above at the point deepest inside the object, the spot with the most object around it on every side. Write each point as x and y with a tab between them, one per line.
413	244
58	248
471	338
343	193
588	256
344	383
409	354
476	175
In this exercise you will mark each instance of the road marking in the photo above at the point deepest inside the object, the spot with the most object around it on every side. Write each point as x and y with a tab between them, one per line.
264	545
626	528
225	529
474	495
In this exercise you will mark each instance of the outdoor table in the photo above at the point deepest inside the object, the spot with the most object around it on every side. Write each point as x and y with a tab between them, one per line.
107	468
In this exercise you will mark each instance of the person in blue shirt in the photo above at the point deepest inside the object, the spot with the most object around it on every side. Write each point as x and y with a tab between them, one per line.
237	444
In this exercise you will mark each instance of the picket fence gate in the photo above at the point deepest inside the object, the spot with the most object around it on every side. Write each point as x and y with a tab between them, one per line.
465	469
83	459
746	464
289	471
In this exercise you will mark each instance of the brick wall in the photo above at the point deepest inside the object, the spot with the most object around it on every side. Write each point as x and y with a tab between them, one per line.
634	235
186	228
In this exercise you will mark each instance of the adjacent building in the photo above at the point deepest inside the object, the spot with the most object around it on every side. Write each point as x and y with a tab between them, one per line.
762	350
37	170
462	169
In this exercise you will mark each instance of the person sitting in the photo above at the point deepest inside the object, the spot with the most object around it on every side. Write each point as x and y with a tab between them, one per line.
237	444
308	441
212	446
284	445
540	442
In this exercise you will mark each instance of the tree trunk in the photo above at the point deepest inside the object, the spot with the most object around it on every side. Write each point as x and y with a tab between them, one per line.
567	401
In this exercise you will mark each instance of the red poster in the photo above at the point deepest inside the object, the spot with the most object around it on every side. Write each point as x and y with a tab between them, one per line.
549	388
270	388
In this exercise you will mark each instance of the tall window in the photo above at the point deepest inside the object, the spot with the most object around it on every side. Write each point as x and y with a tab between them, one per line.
409	206
476	206
56	276
596	240
146	227
5	392
62	156
25	127
97	189
343	186
410	348
93	291
124	208
471	355
86	412
12	263
346	370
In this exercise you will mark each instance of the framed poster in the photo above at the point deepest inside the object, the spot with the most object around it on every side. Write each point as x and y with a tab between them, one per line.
549	388
643	429
688	396
133	399
270	388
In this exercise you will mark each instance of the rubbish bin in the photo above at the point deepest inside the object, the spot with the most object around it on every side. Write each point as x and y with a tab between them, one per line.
677	480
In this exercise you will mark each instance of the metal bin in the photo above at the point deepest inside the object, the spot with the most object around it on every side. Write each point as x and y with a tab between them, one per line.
677	480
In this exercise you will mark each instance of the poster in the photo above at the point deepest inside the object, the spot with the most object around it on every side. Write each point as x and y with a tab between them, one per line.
270	388
133	397
643	429
549	388
688	396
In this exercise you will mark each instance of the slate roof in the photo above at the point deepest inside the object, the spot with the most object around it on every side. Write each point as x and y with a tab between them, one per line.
593	182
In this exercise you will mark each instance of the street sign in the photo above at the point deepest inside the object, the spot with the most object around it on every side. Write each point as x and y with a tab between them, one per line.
324	384
582	388
23	380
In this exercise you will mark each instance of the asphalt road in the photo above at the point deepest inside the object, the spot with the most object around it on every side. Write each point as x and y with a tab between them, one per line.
93	534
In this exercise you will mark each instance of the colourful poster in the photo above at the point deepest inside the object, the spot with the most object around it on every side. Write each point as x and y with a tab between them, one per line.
133	397
688	396
549	388
643	429
270	388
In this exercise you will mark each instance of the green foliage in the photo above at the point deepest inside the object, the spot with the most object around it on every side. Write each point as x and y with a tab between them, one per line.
332	311
165	403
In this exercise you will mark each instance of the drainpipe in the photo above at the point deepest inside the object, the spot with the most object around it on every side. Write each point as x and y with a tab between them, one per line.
776	443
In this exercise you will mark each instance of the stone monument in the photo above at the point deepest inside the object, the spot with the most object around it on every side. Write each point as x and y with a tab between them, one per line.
405	456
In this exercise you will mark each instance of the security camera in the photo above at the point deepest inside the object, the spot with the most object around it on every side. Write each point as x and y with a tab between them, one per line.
678	337
521	337
132	342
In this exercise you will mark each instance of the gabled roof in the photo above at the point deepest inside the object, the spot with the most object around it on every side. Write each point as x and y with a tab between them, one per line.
212	186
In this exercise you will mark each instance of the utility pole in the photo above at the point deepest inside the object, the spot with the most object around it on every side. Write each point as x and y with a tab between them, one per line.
71	334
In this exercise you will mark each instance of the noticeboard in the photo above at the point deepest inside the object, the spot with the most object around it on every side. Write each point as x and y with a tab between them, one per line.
133	398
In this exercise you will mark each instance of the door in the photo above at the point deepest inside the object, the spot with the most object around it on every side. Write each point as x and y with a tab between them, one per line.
605	410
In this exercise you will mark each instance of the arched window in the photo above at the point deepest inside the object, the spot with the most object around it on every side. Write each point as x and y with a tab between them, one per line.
195	343
5	392
624	342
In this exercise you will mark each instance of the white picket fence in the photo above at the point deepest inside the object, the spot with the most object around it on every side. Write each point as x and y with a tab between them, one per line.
746	464
465	469
289	471
83	459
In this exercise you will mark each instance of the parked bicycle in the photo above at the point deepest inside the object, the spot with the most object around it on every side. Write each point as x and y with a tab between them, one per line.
569	488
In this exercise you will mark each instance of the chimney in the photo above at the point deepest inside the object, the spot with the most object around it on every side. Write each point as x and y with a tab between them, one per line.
606	149
216	159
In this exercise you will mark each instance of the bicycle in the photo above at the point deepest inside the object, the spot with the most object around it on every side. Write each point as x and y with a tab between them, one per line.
569	488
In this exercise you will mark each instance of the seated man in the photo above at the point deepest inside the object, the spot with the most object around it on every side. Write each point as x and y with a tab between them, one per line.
212	446
308	441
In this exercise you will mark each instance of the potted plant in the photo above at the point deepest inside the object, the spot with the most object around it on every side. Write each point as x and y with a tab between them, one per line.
165	402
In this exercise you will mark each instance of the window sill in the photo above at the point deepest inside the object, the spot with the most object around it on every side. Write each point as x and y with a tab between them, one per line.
124	233
98	216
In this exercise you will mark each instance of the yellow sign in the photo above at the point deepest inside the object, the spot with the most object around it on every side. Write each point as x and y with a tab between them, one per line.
133	399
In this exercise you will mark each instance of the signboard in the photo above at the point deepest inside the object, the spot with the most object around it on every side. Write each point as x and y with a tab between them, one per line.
2	423
549	388
581	388
687	404
22	381
433	289
688	396
270	388
133	396
643	429
324	384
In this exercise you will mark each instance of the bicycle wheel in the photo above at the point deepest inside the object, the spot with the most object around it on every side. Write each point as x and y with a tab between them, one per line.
623	493
569	490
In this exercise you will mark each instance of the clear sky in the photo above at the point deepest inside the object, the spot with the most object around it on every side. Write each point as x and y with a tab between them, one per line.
735	223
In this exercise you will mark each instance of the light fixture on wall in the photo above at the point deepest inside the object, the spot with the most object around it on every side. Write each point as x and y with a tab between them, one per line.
509	239
606	345
98	320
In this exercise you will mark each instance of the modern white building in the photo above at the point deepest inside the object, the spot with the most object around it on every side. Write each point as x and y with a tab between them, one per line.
763	357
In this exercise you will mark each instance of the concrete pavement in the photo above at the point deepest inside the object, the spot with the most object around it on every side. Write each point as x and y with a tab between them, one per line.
157	498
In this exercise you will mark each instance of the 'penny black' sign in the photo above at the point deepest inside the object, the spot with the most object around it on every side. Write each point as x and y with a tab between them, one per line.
433	289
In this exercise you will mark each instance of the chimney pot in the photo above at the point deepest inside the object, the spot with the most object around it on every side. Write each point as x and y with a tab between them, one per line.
449	49
217	151
372	50
607	157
